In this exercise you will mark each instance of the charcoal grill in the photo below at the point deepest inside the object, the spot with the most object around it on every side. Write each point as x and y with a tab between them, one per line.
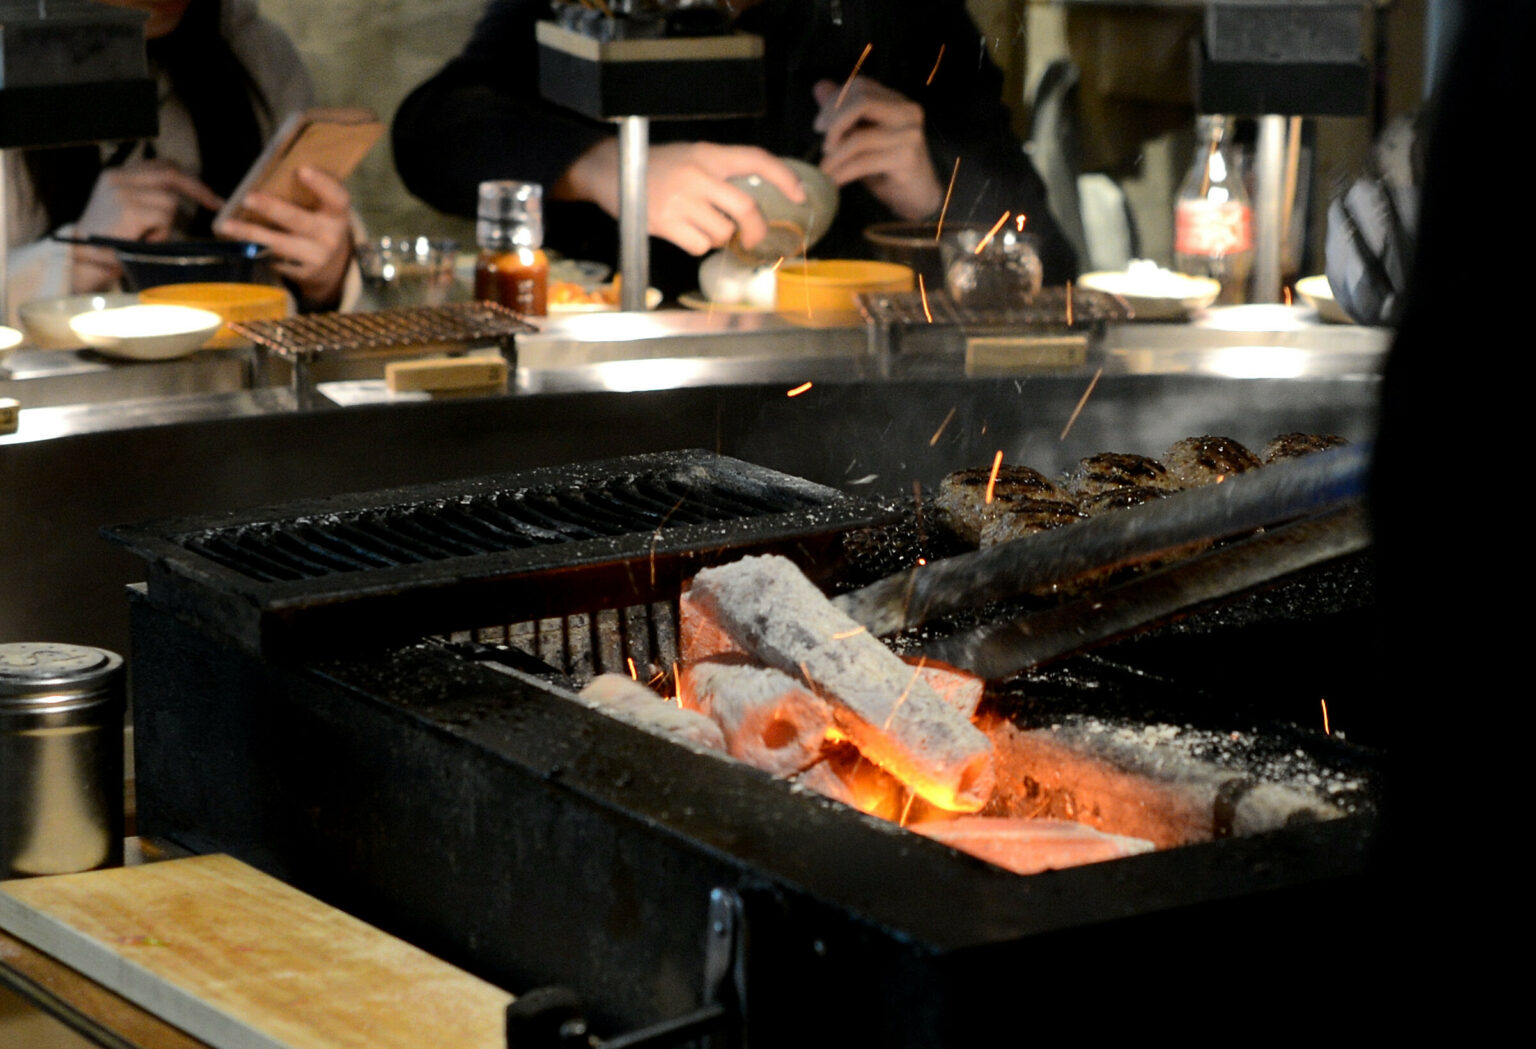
366	732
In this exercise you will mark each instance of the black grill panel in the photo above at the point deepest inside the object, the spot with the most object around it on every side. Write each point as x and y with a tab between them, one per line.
634	504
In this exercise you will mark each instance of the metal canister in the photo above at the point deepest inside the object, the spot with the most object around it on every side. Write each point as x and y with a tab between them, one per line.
61	758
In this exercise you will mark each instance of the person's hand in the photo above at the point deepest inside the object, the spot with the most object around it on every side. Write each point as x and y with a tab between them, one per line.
137	201
876	137
312	246
688	200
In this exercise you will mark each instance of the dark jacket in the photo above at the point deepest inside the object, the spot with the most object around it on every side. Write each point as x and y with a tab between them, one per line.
482	117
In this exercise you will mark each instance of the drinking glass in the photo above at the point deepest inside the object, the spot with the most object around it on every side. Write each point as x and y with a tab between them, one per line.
407	271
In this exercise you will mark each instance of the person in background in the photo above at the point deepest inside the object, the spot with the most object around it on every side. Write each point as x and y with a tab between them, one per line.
926	94
228	77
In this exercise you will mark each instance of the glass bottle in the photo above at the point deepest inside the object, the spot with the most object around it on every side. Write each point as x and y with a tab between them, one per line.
1212	215
512	268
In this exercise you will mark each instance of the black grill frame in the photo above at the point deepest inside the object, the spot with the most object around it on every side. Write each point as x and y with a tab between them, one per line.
404	563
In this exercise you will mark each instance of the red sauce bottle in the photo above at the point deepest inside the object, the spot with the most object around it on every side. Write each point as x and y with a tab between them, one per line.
512	268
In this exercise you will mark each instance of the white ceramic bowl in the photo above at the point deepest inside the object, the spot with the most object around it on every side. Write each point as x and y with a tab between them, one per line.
47	320
10	338
1318	293
1153	293
147	332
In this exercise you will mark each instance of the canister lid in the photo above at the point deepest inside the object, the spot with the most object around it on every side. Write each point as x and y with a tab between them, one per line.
39	671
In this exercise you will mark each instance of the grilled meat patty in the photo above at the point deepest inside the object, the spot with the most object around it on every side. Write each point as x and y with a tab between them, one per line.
1196	461
1120	498
1111	470
1027	516
1292	445
961	503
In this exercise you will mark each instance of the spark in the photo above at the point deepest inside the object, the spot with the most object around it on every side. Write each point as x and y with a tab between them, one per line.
1069	304
1022	218
634	675
798	390
935	69
942	427
849	82
922	288
945	209
997	464
922	561
777	263
906	810
1326	730
992	232
1285	293
1081	401
656	535
846	634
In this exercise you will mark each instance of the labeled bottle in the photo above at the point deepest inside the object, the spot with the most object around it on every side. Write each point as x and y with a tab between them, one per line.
1212	215
512	268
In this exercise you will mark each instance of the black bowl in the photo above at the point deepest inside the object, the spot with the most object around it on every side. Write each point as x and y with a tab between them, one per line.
148	265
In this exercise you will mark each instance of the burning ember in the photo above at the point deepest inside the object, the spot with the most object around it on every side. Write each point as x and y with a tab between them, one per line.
777	677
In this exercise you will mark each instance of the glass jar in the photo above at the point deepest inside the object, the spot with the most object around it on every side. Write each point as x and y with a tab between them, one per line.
512	268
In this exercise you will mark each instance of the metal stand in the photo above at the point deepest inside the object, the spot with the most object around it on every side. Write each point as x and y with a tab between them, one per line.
1270	206
634	241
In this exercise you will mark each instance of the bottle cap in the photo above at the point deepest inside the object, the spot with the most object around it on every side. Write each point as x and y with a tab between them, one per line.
510	215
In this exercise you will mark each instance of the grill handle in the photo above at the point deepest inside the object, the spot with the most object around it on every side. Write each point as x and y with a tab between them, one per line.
555	1017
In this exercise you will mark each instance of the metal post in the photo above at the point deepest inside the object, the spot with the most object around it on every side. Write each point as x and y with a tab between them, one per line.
634	244
5	240
1269	209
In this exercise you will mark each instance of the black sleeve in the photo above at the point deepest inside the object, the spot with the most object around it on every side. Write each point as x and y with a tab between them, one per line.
967	119
482	117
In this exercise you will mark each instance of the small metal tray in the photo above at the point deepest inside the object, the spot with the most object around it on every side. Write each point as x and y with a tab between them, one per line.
413	329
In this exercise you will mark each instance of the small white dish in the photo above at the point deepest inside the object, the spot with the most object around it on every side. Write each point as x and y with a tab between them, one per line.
1318	293
1153	293
47	320
10	338
147	332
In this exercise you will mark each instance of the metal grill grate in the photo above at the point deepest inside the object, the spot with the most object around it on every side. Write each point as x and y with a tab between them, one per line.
460	324
1054	308
309	548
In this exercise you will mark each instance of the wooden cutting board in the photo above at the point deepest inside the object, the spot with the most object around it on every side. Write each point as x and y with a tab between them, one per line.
244	961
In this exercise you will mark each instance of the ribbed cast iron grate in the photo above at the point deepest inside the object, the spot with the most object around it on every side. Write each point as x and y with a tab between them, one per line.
314	547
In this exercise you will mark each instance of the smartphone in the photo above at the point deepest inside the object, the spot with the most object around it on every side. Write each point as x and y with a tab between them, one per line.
334	140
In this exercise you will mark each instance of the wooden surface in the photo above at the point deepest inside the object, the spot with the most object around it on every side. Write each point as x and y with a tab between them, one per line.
243	961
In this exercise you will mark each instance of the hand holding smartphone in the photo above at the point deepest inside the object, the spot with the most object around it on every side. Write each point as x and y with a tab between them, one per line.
333	140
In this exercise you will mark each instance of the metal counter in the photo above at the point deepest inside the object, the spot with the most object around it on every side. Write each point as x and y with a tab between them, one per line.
598	386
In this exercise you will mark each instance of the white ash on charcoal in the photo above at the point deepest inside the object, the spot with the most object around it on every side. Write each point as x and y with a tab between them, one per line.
626	700
1029	846
1196	461
1171	785
766	605
959	689
769	719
